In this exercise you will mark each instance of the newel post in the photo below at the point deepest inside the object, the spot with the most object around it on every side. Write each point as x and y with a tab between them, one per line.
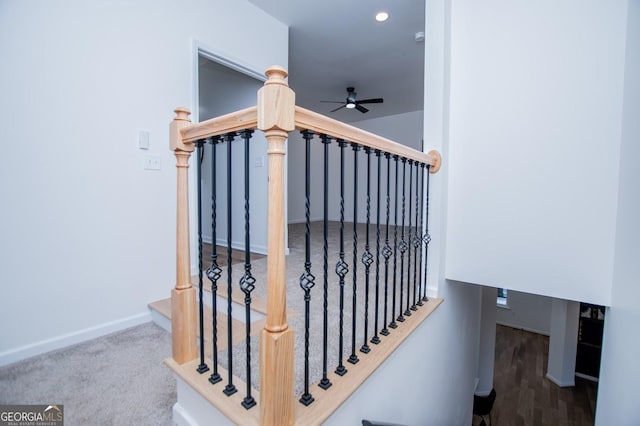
183	296
276	103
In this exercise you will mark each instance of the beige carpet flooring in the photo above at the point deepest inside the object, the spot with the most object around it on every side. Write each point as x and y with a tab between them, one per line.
119	379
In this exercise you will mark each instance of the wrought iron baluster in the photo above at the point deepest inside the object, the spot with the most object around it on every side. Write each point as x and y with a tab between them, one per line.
202	368
407	311
341	267
402	247
367	257
230	389
247	282
426	237
419	237
395	248
417	242
375	339
214	272
307	280
324	382
386	251
353	358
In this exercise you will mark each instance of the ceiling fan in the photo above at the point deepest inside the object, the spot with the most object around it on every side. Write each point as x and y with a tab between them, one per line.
351	102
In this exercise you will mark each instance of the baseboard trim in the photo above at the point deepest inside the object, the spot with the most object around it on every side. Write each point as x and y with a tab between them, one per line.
18	354
181	417
519	327
560	382
303	220
587	377
237	245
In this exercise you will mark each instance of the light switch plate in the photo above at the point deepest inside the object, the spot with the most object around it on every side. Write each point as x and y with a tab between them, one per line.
152	162
143	139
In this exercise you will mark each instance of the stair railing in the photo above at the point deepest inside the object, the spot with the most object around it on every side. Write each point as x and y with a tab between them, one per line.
276	115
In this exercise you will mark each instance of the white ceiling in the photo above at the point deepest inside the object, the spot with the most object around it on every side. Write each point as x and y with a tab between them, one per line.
334	44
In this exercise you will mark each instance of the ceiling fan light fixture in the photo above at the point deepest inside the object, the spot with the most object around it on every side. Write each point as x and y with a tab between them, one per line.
351	103
382	16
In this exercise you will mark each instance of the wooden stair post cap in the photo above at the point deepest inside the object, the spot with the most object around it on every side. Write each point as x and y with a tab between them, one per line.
180	121
276	75
276	103
182	114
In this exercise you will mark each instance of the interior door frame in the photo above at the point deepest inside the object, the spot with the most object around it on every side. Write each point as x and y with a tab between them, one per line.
200	49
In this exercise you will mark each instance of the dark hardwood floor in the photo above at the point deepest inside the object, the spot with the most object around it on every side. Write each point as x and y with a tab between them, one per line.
524	395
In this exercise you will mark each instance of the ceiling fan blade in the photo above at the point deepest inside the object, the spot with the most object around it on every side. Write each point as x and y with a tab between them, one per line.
371	101
333	102
340	107
361	108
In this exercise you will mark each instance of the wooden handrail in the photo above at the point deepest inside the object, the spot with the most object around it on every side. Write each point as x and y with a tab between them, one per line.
308	120
321	124
239	120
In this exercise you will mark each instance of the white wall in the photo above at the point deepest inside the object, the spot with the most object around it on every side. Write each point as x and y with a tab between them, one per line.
563	342
529	312
222	91
88	236
620	372
536	104
430	379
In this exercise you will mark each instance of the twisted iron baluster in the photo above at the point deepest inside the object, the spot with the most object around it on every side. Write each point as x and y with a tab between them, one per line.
341	267
247	282
367	257
419	237
417	242
202	367
395	248
307	280
403	245
375	339
426	238
407	312
324	382
230	389
353	358
386	251
214	272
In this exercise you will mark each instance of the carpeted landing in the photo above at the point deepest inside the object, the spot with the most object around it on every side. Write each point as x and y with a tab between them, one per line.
119	379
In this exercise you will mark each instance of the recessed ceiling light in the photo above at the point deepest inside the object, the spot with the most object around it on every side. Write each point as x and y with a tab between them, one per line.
382	16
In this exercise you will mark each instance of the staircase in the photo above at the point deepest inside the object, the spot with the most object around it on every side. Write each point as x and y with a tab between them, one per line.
197	401
200	403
